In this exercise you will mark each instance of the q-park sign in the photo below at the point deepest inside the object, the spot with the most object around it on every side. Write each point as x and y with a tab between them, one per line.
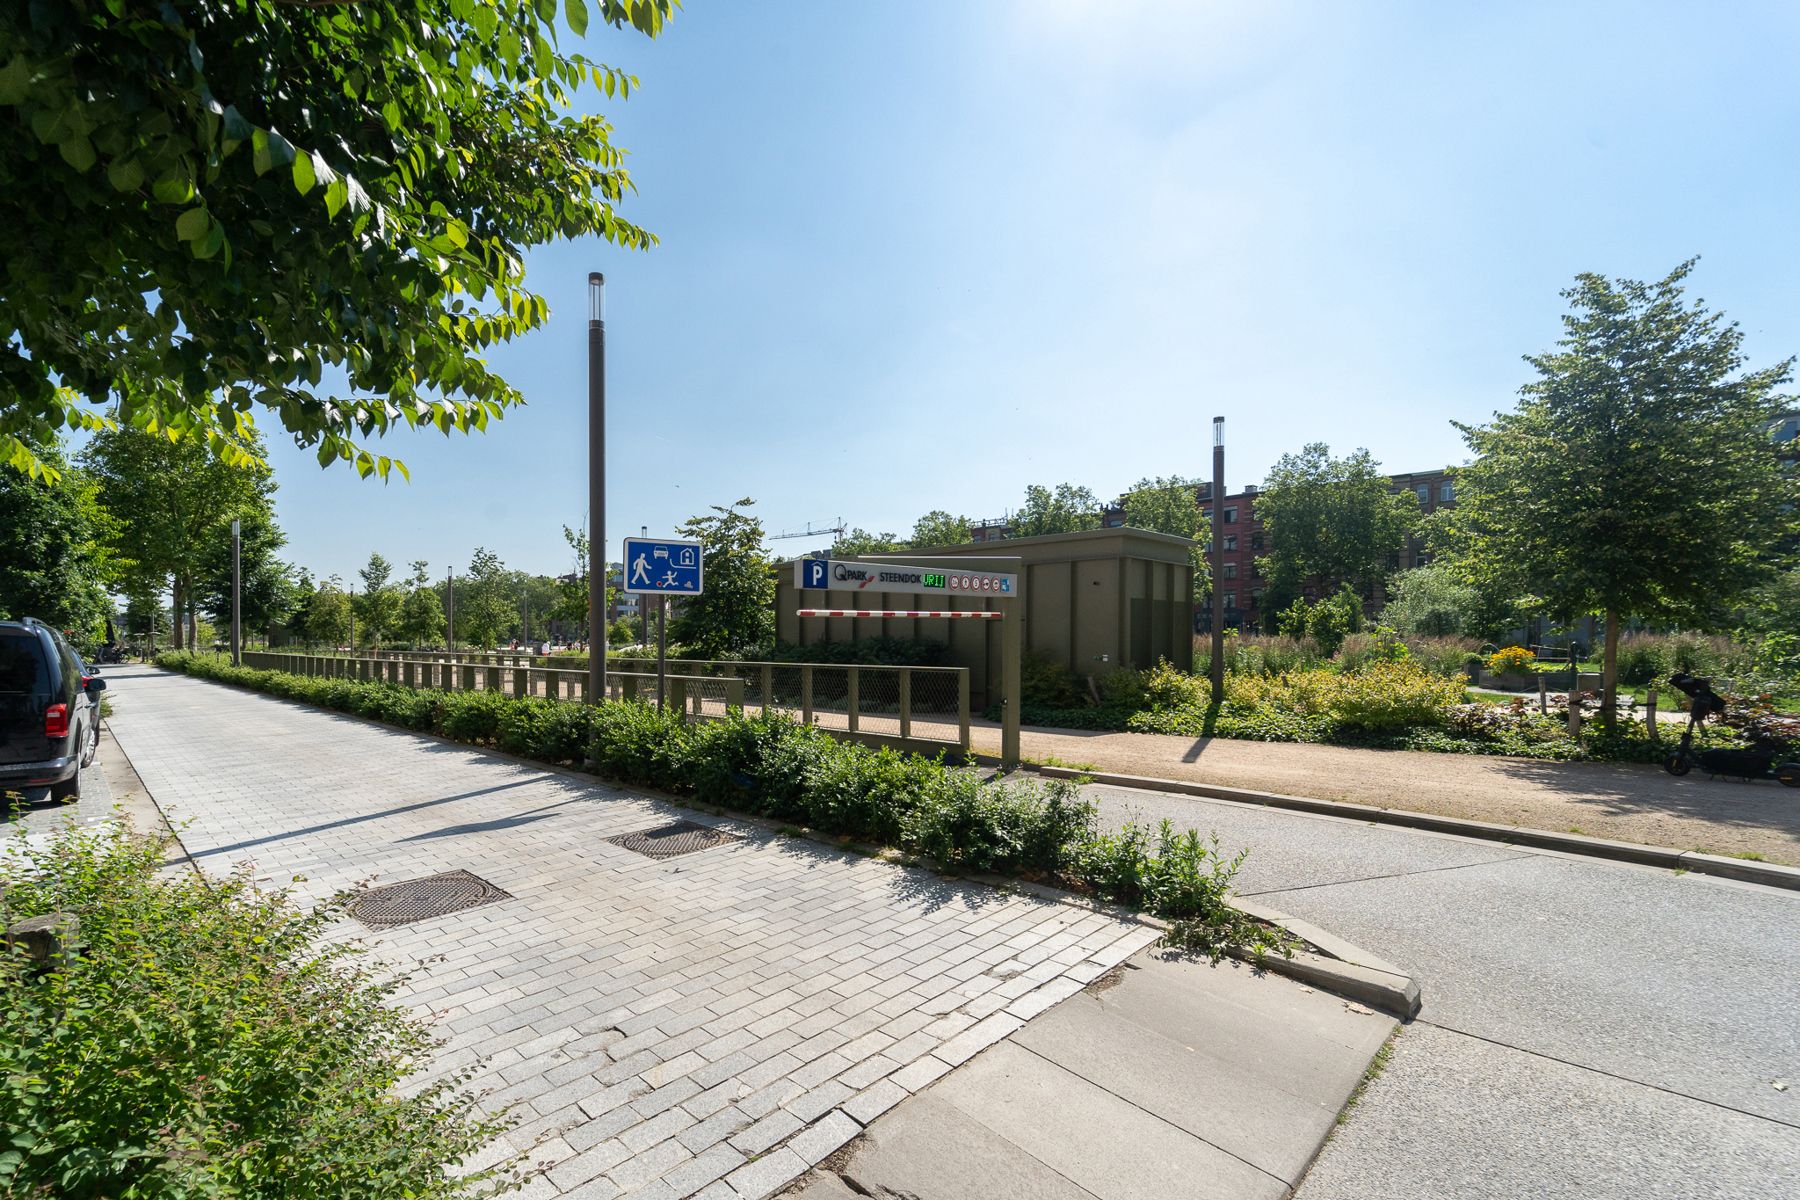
664	567
893	577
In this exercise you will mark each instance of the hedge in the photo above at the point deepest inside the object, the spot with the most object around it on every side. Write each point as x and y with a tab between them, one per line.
772	766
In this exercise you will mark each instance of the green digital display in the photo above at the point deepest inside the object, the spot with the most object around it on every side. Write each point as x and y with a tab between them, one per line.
929	580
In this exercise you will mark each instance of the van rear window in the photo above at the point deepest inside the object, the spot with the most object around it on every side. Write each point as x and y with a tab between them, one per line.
22	667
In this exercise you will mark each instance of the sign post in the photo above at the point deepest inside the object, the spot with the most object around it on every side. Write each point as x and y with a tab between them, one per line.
834	575
664	567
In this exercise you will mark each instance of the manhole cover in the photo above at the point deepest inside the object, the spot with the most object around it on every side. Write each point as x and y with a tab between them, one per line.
667	841
416	899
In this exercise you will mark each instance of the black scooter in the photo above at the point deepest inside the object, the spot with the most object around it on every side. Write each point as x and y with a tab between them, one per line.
1703	702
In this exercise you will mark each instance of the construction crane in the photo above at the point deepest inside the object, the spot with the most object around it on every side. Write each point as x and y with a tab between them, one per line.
836	531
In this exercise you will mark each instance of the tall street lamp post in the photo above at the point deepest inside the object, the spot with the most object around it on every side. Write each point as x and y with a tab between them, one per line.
1217	670
596	681
237	596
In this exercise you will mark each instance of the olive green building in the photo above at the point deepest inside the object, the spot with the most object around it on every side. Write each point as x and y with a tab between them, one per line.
1092	601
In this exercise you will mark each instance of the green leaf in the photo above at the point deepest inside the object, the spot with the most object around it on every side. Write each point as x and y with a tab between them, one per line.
192	224
125	174
303	174
78	152
259	152
212	243
485	21
336	193
576	10
173	188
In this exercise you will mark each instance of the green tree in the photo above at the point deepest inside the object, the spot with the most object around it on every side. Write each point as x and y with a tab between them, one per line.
861	541
736	615
487	602
1635	479
1330	522
939	528
422	612
211	207
1435	601
171	504
1067	509
53	557
325	619
1171	506
572	589
378	607
268	583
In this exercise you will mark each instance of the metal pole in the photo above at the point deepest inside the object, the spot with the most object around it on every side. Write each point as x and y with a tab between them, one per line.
597	488
1216	671
237	596
1012	640
450	611
662	647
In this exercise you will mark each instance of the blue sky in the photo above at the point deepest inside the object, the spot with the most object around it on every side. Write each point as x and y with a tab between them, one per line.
920	256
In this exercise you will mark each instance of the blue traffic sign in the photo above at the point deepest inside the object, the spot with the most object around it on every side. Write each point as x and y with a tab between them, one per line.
662	567
813	572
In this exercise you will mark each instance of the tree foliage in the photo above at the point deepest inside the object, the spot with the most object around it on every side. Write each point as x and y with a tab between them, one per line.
1635	478
53	557
861	541
422	612
268	582
736	615
324	617
939	528
487	602
310	209
172	502
1066	509
1171	505
1433	601
1330	522
378	606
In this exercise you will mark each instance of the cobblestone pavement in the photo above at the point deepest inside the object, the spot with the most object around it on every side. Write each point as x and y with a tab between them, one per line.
707	1025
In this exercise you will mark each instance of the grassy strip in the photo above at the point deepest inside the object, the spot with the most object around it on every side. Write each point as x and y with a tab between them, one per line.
772	766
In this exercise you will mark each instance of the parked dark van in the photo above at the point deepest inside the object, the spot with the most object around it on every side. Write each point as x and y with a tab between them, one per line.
49	711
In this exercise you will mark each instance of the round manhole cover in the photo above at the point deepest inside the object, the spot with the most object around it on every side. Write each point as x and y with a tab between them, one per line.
417	899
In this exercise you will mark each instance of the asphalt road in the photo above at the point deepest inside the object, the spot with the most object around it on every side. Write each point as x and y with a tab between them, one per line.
1589	1030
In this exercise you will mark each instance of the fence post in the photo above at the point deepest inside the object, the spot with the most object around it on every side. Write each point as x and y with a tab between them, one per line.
1574	712
852	673
521	681
1543	696
677	697
962	705
806	682
409	674
1650	710
734	693
905	703
768	685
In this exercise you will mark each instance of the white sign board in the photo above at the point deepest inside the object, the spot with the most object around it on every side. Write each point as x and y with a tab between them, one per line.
896	577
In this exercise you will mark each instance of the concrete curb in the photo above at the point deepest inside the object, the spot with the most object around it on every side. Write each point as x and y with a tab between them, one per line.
1744	870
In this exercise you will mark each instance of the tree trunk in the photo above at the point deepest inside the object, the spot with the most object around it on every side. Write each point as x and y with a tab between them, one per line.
1609	678
175	612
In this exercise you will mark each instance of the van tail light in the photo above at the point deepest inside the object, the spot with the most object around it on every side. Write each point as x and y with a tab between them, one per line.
56	721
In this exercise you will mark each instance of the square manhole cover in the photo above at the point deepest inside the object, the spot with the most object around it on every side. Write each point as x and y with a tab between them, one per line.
417	899
677	837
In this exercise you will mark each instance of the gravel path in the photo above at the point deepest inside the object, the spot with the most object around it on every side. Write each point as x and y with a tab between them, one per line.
1633	803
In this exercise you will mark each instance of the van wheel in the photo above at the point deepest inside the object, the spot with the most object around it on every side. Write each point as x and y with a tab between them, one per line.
93	747
69	789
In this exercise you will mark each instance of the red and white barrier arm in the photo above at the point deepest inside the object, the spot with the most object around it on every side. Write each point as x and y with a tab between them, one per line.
968	615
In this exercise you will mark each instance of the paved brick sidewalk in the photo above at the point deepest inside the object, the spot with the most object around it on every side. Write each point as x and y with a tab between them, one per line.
708	1025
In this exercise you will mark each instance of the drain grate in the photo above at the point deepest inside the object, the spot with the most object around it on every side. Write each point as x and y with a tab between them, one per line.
678	837
417	899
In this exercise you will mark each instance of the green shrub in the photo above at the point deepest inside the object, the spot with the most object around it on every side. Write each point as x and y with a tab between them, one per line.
1446	656
1382	645
1261	655
893	651
1388	696
1045	681
209	1039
